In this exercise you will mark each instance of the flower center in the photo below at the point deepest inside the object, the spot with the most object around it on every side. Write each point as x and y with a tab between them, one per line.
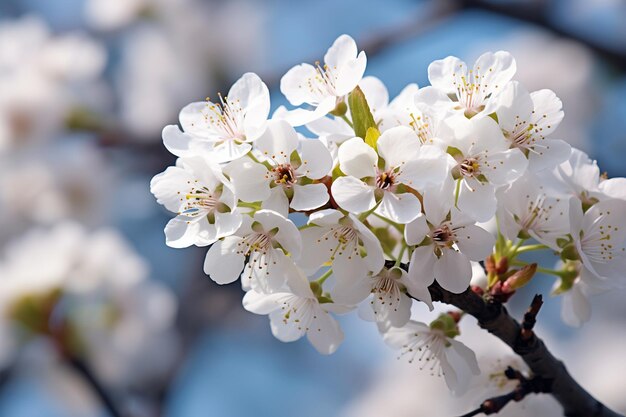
255	242
284	175
199	201
470	167
385	180
226	116
443	236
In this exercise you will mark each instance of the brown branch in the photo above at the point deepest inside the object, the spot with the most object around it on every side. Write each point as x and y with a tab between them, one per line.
493	317
525	387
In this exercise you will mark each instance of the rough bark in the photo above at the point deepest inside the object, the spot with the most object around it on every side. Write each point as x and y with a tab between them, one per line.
493	317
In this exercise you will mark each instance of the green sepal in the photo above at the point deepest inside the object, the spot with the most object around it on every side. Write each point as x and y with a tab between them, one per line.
362	118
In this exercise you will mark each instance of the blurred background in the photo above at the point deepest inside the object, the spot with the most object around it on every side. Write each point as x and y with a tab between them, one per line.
86	87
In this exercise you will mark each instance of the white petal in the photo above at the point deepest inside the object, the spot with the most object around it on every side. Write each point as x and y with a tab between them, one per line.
475	242
278	141
422	267
325	334
222	263
288	235
285	330
453	271
375	92
429	167
299	117
442	73
478	201
182	143
252	95
250	180
400	208
193	119
374	259
357	159
416	231
277	201
548	153
575	308
259	303
294	85
326	217
514	105
229	151
181	232
320	246
548	111
504	167
353	195
226	224
316	159
309	197
398	146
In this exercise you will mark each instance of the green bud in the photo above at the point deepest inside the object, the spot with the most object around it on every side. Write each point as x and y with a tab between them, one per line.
362	118
446	324
316	288
340	109
569	253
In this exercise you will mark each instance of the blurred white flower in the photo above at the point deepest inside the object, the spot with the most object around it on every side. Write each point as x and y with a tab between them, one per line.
43	77
89	293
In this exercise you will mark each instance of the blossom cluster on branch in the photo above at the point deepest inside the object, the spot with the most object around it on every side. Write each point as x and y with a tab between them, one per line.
319	226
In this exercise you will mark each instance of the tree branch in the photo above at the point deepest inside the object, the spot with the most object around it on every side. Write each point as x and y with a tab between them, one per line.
493	317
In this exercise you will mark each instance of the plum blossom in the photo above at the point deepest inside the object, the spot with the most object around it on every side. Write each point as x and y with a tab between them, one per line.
226	128
323	86
527	119
599	237
445	241
529	209
379	181
259	249
344	241
295	311
483	163
441	354
203	200
389	304
475	90
285	178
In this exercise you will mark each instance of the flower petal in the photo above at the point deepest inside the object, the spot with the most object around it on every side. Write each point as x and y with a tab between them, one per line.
222	263
353	195
453	271
357	159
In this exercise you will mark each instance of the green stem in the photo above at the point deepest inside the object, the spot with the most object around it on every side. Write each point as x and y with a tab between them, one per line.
400	255
530	248
347	121
324	276
397	226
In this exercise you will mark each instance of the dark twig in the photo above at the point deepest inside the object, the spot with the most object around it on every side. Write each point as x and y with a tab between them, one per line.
530	318
493	317
525	387
88	376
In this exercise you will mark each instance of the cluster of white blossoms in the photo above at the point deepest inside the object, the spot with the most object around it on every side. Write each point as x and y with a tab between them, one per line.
387	197
86	294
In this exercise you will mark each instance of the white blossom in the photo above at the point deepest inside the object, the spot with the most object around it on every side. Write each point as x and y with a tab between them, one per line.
295	312
475	90
323	86
369	184
435	351
259	249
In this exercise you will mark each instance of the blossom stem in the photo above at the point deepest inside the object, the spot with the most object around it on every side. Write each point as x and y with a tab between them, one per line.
324	276
397	226
529	248
90	379
400	255
345	119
